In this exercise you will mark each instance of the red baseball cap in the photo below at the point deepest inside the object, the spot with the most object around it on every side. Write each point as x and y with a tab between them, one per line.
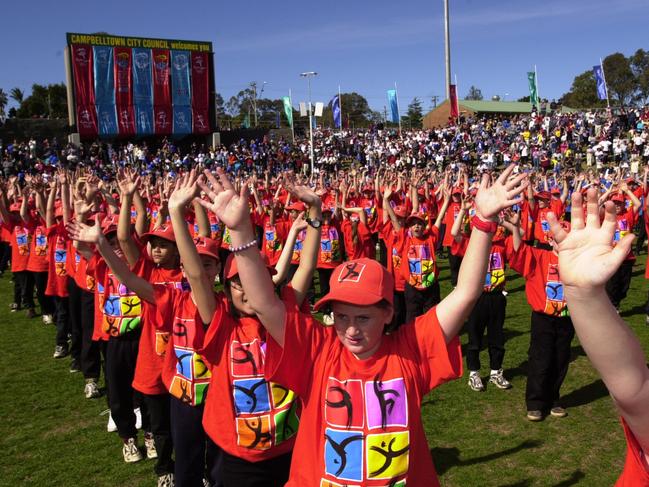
207	246
543	195
109	224
232	270
164	231
457	190
415	216
400	211
362	282
618	197
631	181
297	206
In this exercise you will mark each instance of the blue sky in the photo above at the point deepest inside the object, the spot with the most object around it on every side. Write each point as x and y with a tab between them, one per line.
360	45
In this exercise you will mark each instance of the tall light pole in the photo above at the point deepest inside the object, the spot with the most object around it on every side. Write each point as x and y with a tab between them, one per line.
447	49
308	75
253	85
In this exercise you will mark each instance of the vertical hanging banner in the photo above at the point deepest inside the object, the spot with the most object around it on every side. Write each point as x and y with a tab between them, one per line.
288	109
104	75
123	86
124	91
602	92
200	92
394	106
455	108
335	108
534	96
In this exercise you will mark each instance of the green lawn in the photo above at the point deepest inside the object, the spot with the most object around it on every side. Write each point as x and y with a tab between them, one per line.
51	435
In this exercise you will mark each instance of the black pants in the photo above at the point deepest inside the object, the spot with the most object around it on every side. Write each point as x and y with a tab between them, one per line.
267	473
45	302
420	301
548	359
641	235
618	285
323	276
61	320
121	355
5	255
24	289
489	313
454	263
82	322
158	409
196	455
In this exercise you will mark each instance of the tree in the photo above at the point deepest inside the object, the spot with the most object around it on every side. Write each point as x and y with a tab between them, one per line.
17	95
619	78
3	103
219	104
45	101
474	94
415	113
583	92
640	70
355	109
524	99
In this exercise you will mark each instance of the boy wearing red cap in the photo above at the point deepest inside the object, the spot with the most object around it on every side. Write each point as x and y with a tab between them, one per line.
362	390
589	256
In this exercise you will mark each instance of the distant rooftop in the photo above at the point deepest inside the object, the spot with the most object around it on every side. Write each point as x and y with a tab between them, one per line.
485	106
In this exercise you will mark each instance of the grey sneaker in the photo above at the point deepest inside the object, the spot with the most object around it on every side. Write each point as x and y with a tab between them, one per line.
91	390
60	351
149	444
166	480
475	382
131	452
499	380
535	415
558	412
48	319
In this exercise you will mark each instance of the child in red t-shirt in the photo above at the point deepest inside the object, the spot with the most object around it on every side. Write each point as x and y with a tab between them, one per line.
589	256
362	390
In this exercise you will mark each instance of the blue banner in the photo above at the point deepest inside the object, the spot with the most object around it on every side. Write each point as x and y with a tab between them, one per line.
180	81
394	106
335	108
602	92
182	120
144	120
142	77
104	75
107	120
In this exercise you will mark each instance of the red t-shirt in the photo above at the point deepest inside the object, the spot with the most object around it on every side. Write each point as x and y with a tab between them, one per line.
540	215
77	267
245	415
153	341
419	267
330	254
38	260
625	223
274	236
21	235
394	242
449	217
543	286
635	472
361	423
363	247
57	276
297	247
495	278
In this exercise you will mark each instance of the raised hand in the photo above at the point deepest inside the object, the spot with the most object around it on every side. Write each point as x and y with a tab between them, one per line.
301	192
128	182
228	205
84	233
185	191
587	257
502	193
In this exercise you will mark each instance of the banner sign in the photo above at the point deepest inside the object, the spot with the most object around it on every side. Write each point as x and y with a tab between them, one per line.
134	42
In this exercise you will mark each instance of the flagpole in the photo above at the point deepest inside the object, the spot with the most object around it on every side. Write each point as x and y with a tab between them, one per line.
601	64
340	107
290	99
536	82
396	92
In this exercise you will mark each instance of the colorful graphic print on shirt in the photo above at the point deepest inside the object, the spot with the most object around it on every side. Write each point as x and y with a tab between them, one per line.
367	436
121	308
495	277
265	413
555	303
421	263
330	246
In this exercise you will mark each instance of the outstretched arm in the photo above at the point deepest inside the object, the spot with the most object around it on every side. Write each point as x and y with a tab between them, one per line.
284	262
490	200
128	184
587	260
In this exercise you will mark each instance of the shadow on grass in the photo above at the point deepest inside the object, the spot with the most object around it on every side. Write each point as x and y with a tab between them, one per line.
585	395
576	352
446	458
636	310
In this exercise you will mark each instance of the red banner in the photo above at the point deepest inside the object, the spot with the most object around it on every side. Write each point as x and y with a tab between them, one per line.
201	120
200	80
87	121
123	77
126	120
455	109
162	119
161	78
83	75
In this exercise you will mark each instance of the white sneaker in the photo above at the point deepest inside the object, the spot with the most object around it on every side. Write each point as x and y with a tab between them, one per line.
91	390
166	480
111	427
475	383
60	351
131	452
48	320
149	444
138	418
499	380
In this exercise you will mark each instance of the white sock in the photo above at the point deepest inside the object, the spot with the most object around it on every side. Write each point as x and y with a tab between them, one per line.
494	372
474	372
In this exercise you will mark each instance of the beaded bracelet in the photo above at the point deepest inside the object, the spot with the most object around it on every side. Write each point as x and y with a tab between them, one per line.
487	227
243	247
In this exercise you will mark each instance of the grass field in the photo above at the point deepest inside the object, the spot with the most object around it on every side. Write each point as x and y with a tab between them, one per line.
51	435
